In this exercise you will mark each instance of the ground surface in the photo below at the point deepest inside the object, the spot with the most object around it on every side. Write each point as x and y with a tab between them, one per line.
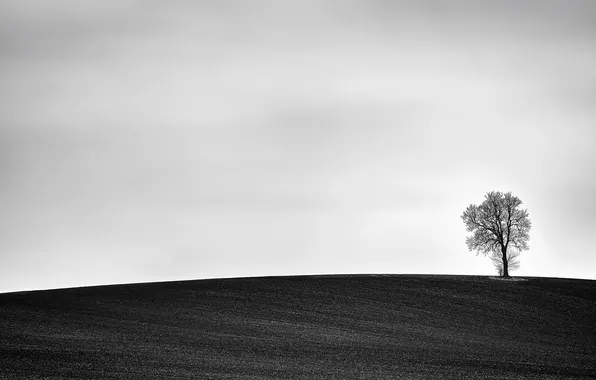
313	327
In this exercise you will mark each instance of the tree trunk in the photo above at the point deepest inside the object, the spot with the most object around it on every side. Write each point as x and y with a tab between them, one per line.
505	262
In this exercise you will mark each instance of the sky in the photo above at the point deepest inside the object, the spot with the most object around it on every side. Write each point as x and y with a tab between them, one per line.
147	141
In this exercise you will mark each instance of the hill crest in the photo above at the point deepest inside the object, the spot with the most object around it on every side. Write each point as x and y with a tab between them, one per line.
316	327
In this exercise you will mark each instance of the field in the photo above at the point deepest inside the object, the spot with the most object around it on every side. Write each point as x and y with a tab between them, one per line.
304	327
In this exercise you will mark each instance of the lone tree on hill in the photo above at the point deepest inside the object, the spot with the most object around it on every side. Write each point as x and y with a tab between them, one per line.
498	225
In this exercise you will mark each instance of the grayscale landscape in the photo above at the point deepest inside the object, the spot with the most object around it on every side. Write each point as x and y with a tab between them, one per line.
213	189
305	327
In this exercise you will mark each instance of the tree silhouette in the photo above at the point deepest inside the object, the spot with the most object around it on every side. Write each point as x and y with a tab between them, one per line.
497	225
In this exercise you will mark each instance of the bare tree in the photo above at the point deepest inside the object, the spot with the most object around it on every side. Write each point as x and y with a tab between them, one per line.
498	224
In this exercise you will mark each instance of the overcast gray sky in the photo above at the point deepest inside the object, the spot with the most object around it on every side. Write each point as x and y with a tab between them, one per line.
148	141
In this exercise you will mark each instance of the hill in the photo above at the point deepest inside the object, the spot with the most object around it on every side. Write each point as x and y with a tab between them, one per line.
304	327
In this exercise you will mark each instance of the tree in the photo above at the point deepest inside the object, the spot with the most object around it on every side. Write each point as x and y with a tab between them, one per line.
498	225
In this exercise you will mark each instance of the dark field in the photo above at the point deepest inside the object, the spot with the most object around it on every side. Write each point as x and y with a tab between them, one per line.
311	327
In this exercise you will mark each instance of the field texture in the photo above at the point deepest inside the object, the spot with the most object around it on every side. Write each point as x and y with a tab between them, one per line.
311	327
